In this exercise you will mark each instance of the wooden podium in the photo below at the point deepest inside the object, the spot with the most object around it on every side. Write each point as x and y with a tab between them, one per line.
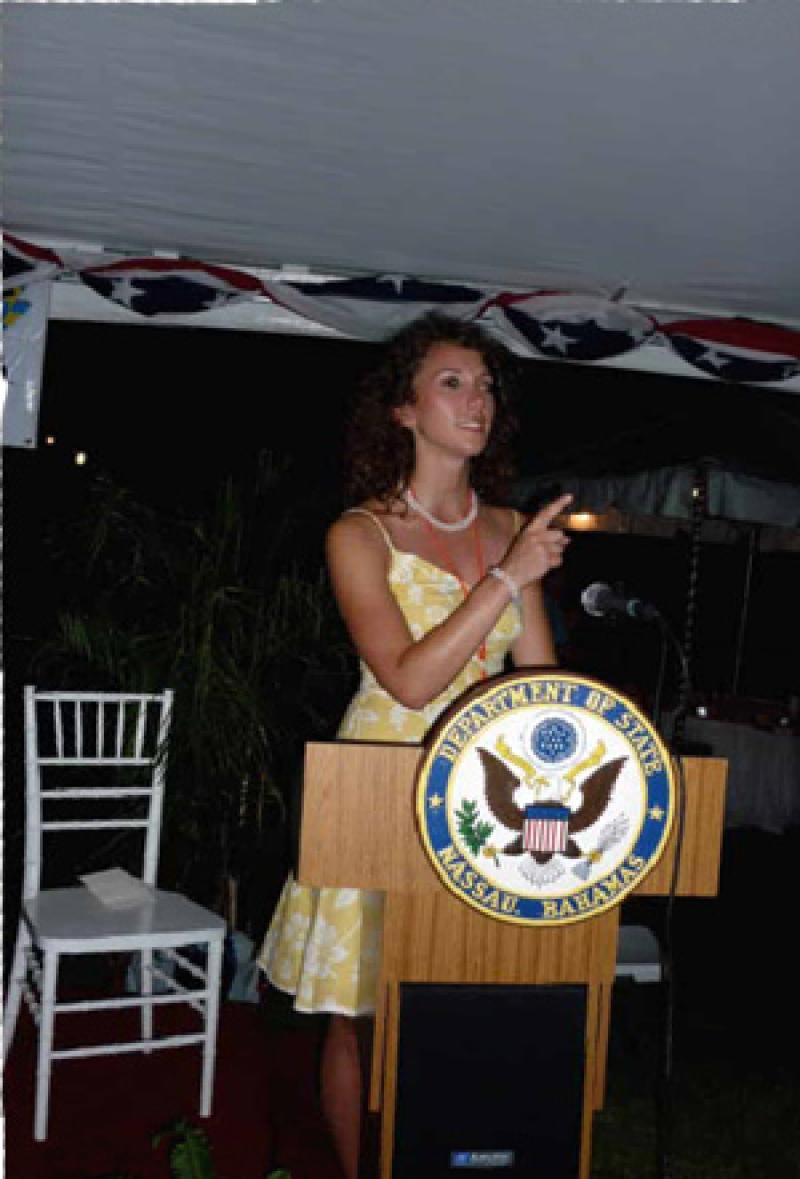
359	831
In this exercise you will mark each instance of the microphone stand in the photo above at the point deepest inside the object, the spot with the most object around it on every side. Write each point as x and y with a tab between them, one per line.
659	688
665	1119
675	744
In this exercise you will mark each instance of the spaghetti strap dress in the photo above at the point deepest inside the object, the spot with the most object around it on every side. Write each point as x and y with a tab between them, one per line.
324	944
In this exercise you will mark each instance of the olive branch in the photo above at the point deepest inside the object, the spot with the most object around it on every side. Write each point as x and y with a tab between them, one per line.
470	828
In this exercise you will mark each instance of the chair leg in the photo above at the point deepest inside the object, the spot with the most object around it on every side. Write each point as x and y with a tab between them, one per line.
44	1058
214	975
146	987
15	980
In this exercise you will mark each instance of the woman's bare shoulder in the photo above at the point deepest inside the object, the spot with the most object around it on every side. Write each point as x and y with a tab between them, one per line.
365	521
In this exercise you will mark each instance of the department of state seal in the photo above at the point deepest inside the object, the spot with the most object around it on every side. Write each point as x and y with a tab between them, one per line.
544	798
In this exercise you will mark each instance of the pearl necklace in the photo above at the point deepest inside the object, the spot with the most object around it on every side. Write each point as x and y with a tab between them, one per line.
443	525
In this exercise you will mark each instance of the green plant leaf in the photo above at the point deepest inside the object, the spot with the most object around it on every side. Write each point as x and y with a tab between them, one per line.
189	1153
191	1158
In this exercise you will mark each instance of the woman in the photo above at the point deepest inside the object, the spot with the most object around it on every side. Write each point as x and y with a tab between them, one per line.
436	587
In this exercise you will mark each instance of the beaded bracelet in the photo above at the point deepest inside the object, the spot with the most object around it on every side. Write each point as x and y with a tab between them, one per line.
507	580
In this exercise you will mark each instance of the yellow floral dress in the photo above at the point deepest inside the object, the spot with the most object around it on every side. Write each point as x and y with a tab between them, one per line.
324	945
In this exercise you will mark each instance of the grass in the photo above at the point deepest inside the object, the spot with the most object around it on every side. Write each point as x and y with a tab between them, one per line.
734	1100
735	1096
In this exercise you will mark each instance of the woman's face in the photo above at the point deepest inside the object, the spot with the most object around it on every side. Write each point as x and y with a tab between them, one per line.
453	403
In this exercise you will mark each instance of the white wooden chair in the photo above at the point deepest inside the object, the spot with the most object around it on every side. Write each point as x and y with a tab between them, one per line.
109	736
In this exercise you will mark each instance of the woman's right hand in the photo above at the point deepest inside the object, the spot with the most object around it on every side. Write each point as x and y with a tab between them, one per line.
538	547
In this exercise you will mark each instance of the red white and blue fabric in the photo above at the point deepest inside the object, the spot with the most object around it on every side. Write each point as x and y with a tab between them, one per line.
575	327
24	262
160	286
738	350
553	324
375	308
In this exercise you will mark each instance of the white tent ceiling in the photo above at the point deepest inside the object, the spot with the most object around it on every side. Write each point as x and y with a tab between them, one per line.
550	143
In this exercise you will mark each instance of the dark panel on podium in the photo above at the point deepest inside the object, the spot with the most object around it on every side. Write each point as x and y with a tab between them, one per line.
489	1081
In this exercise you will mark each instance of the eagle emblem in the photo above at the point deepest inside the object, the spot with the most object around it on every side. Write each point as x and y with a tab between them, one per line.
547	828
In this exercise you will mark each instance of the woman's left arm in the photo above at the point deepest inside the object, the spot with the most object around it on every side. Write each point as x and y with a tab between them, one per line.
535	646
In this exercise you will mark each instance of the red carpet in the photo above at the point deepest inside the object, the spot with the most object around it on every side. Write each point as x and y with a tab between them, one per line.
105	1110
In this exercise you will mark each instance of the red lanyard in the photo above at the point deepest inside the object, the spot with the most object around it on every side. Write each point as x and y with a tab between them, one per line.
446	558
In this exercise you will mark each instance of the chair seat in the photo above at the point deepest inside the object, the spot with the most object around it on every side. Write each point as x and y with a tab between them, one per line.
638	954
72	921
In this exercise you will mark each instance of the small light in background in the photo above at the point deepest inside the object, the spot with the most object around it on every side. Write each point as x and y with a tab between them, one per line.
696	492
50	440
80	458
582	521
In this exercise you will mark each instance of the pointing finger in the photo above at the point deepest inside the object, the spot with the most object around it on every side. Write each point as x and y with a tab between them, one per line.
548	513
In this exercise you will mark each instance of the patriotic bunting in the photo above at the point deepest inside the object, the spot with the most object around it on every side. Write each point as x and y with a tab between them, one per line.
24	263
555	324
575	327
738	350
375	308
158	286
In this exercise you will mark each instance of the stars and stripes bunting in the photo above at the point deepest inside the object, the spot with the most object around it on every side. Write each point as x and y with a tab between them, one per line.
557	325
158	286
374	308
738	350
565	326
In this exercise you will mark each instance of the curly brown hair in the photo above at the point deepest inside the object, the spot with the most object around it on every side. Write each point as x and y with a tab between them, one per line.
379	452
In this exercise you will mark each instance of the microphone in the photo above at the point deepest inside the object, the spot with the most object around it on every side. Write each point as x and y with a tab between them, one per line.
600	600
